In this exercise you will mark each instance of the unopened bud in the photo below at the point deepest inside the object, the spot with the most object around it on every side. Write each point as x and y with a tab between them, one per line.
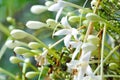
35	24
85	10
88	47
94	17
49	3
15	60
20	50
51	22
10	19
74	18
18	34
93	39
85	22
113	66
28	54
37	9
31	74
93	4
13	43
34	45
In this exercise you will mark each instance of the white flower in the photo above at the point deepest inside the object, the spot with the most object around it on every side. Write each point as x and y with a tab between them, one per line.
81	65
59	6
18	34
69	32
35	24
37	9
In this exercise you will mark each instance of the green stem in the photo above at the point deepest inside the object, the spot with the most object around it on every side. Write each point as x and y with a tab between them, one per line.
82	13
33	67
53	45
2	51
102	51
117	76
71	4
8	73
24	70
4	30
40	73
111	52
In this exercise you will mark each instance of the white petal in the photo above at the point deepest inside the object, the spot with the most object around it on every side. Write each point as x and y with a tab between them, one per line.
88	47
74	33
85	57
37	9
76	52
89	71
56	6
65	23
67	40
58	14
81	73
35	24
72	64
62	32
75	44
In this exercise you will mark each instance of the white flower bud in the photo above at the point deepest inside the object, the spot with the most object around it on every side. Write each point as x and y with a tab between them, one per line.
20	50
88	47
93	39
51	22
35	24
35	51
13	43
85	22
94	17
49	3
34	45
28	54
93	4
37	9
85	10
113	66
31	74
18	34
74	18
15	60
10	19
